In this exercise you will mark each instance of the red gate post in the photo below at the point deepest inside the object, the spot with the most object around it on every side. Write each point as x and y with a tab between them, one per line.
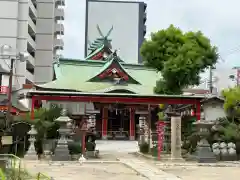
104	123
132	124
84	130
198	111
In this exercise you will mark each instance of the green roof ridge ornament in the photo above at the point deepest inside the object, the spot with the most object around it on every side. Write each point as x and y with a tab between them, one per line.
101	34
102	40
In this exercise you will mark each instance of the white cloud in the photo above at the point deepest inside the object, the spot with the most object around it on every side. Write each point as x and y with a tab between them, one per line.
216	19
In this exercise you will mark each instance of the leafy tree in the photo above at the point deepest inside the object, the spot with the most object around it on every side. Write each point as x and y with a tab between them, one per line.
232	101
179	56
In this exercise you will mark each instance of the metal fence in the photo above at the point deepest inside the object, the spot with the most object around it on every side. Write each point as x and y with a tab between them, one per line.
13	168
41	176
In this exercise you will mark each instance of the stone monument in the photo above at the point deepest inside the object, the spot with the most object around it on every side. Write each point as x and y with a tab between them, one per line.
176	153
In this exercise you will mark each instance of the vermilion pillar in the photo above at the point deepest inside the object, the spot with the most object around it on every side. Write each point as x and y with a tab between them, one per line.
104	123
132	124
198	111
32	108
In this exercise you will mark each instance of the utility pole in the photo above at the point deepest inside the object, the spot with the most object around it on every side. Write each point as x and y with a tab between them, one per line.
210	79
6	51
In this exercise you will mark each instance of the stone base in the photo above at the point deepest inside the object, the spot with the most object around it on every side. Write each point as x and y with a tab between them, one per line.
205	154
132	138
177	159
61	154
75	157
48	157
104	137
92	154
31	157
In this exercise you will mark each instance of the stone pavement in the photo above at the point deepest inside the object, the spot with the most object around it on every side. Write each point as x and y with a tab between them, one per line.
115	164
199	171
89	171
147	170
203	172
127	167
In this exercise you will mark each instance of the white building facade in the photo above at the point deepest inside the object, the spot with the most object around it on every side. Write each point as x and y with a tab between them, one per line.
31	26
128	20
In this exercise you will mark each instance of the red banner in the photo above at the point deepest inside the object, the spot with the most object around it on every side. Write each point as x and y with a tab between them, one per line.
160	131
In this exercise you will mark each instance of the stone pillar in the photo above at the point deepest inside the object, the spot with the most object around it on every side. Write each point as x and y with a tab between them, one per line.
176	137
167	136
132	124
104	123
198	111
143	137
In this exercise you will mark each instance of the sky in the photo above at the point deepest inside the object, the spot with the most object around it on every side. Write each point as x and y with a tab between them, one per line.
217	19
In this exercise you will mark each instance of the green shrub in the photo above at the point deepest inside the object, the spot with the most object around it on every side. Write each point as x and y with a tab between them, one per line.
90	146
144	148
75	147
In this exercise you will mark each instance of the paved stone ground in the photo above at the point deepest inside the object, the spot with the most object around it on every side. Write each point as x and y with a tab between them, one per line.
146	168
70	171
203	173
107	167
192	170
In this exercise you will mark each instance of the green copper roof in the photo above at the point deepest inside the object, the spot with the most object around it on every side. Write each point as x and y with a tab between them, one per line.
99	43
114	59
97	50
74	75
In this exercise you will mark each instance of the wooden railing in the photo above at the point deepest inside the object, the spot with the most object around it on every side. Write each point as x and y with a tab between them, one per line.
3	89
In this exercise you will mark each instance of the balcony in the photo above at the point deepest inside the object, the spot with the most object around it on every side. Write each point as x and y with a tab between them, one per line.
33	10
145	7
144	30
59	29
59	14
31	42
59	44
32	25
3	89
31	60
60	2
144	18
29	76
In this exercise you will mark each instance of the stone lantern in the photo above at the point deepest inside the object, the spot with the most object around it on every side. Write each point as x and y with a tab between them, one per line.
204	152
31	153
61	151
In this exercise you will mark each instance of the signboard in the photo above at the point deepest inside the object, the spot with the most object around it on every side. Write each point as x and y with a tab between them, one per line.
7	140
160	131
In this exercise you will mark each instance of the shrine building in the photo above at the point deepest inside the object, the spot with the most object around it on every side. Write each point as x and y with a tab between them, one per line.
116	97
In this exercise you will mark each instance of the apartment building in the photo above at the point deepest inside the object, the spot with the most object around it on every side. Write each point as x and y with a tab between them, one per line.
128	20
31	26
